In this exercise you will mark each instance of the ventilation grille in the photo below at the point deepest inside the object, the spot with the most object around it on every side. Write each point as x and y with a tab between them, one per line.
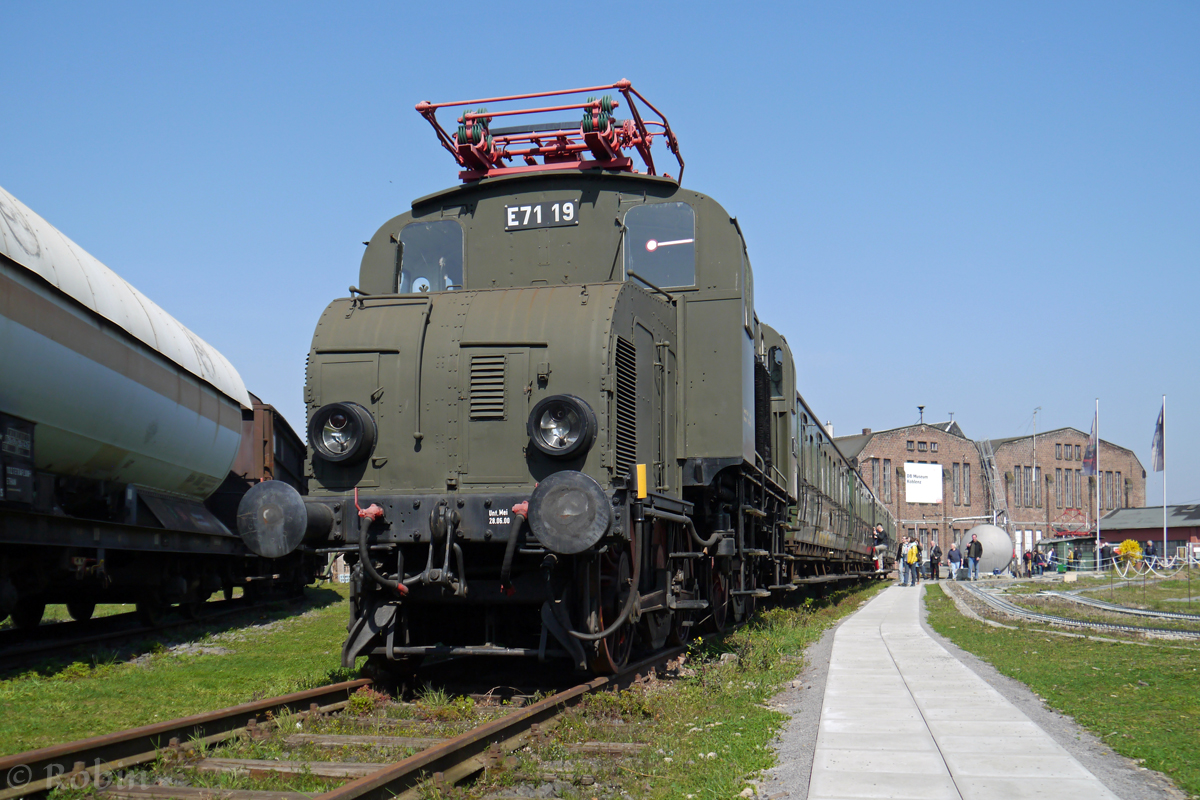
487	386
626	407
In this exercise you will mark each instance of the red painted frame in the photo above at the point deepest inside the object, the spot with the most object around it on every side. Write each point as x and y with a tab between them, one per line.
558	147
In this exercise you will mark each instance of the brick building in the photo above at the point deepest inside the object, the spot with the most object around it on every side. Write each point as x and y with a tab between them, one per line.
1038	493
1046	492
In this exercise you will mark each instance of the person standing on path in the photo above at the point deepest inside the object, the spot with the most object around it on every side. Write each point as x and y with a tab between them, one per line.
974	553
935	561
912	554
901	564
915	563
954	557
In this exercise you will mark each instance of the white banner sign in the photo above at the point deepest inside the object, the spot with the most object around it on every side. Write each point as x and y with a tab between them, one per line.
923	483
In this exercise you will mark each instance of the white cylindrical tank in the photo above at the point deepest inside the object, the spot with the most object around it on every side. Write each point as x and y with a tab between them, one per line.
997	547
119	389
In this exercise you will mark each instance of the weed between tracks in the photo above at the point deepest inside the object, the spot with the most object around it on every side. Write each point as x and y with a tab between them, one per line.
701	731
1142	698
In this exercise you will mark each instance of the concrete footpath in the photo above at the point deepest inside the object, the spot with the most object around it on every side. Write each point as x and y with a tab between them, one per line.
902	718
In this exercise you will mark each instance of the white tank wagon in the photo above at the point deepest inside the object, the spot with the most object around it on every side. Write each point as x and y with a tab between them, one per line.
117	423
119	389
997	548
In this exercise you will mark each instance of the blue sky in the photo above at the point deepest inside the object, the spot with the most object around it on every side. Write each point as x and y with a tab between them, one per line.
980	208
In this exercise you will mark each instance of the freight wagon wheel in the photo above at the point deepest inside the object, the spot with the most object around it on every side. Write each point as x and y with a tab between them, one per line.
612	652
80	610
27	614
151	611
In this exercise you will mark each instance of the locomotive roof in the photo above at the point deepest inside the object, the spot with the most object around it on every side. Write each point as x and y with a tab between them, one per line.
576	175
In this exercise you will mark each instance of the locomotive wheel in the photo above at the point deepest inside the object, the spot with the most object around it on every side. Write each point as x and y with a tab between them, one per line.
81	610
655	627
718	598
741	605
684	574
27	614
612	652
391	675
191	609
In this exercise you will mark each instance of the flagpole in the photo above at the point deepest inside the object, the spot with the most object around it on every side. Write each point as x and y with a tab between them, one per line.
1163	445
1097	477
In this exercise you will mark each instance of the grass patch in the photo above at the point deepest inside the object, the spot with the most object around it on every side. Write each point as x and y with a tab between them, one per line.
1154	594
287	649
1142	699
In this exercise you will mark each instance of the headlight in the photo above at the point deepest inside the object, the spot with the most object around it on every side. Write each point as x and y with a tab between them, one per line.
569	512
562	425
342	432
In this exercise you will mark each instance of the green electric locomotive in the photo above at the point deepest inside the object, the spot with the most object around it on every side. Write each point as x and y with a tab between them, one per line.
547	421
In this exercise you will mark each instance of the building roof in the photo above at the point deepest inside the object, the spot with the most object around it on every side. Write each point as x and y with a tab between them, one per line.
851	446
997	443
1184	516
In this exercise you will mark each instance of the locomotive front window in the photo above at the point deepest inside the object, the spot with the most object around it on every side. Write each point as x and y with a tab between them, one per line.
431	257
660	243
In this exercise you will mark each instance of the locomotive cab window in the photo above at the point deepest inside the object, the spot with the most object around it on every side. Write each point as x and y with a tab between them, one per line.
431	257
775	365
660	243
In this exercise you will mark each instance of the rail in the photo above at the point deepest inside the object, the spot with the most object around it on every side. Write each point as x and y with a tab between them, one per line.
1014	610
40	771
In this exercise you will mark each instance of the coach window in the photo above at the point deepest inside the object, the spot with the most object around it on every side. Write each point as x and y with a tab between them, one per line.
431	257
660	244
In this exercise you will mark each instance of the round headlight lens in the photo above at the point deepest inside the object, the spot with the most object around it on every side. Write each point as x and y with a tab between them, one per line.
342	432
562	425
569	512
335	436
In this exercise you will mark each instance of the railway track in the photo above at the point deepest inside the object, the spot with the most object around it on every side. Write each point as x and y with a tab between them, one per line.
442	760
1014	610
1118	609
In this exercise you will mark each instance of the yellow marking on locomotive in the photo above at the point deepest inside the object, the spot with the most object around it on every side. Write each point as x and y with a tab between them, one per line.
641	481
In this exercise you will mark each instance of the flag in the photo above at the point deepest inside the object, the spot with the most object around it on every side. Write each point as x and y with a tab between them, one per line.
1089	455
1157	454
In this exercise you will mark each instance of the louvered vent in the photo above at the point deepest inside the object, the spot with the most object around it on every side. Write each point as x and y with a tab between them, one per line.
487	386
626	407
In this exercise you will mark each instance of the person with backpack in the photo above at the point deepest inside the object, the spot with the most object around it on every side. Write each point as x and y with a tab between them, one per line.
935	561
912	560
